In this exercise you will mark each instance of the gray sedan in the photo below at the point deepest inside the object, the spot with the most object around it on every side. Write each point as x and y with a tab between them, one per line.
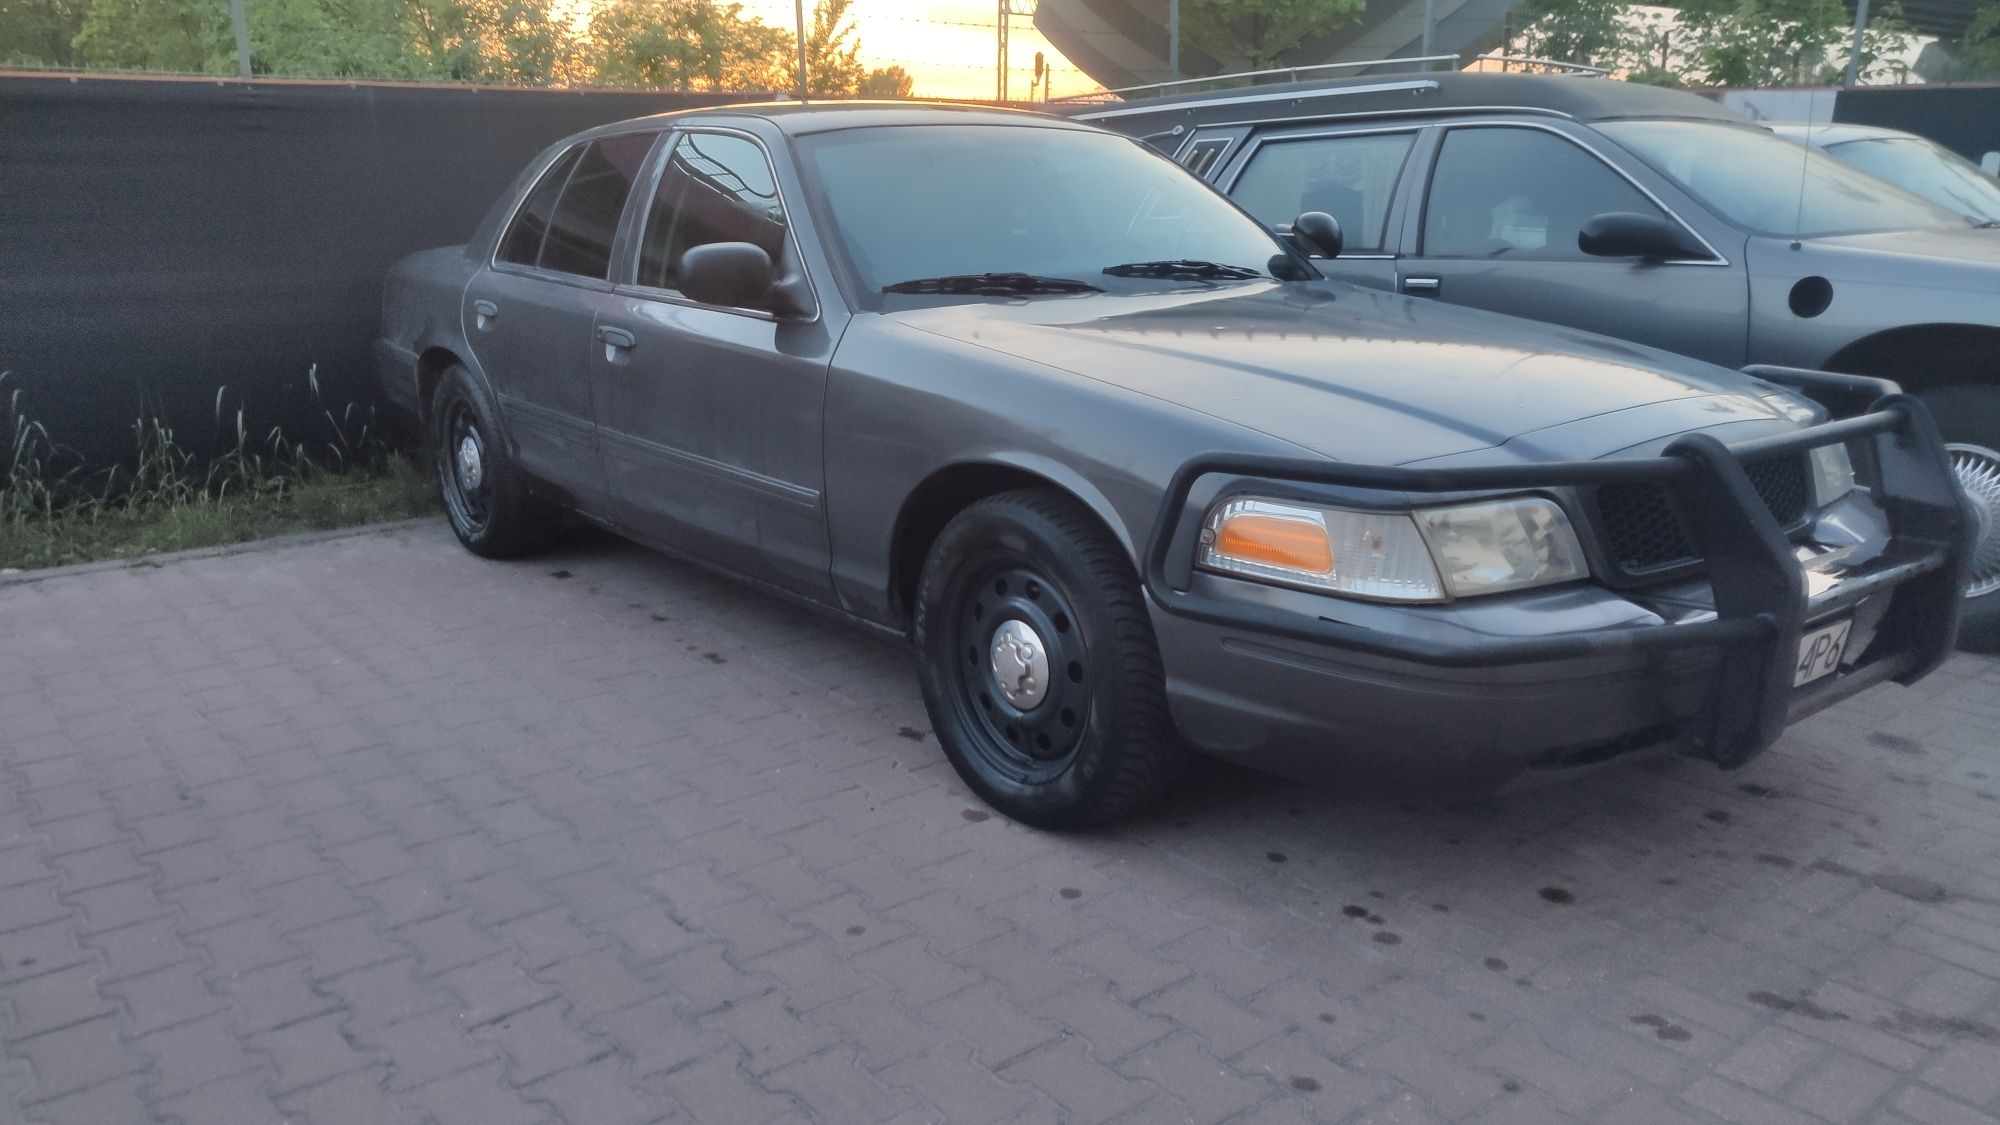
1134	482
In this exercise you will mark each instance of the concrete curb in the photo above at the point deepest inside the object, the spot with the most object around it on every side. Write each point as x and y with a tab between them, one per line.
150	562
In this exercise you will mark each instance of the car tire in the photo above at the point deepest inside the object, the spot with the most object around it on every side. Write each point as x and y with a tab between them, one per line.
1969	419
485	497
1080	735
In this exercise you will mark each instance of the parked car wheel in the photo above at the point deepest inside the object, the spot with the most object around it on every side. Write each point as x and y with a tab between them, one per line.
1969	418
485	497
1040	668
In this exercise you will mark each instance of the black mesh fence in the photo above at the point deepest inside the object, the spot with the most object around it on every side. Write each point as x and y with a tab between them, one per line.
164	239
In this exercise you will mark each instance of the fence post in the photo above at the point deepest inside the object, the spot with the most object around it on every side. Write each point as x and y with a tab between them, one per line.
1854	52
242	26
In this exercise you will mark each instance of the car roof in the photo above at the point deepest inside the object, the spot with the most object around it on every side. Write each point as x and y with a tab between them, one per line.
1581	98
802	118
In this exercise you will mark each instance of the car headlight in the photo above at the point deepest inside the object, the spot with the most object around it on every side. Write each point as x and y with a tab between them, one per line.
1832	474
1832	468
1426	555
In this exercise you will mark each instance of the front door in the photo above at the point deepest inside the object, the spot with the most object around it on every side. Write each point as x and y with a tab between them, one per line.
1351	176
529	313
1499	232
709	418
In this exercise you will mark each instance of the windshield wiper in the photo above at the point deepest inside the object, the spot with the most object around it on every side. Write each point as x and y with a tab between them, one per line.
1186	269
1988	224
992	285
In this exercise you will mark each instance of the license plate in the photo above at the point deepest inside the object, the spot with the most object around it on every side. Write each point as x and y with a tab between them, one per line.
1819	652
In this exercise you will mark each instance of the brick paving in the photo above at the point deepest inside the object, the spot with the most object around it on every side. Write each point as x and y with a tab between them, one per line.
370	830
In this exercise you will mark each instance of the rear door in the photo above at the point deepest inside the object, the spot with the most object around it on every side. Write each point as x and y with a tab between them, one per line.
710	417
529	312
1498	229
1353	175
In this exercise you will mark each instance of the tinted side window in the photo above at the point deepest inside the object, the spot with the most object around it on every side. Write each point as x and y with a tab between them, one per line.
586	220
1522	193
716	188
522	244
1351	178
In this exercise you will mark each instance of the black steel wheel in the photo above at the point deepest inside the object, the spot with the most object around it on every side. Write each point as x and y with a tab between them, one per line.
485	497
1041	672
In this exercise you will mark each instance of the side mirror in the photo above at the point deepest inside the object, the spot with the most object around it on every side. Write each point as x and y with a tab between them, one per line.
1318	234
731	274
1626	234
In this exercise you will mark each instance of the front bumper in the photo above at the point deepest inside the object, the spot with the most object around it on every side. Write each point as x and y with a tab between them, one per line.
1310	685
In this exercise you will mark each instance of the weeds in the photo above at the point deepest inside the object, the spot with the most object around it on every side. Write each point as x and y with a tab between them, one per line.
54	510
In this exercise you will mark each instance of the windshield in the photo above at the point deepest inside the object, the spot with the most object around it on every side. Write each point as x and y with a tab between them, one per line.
1760	180
1930	170
911	203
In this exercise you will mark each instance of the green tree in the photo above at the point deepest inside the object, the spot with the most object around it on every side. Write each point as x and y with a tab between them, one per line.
686	45
886	82
1781	42
1593	32
39	32
171	35
1259	31
833	55
1978	54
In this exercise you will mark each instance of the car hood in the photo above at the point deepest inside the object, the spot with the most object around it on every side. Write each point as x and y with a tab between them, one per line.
1360	375
1968	245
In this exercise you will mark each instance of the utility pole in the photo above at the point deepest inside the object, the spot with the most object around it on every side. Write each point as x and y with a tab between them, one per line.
1854	52
1174	39
1430	28
242	26
1008	8
799	10
1001	89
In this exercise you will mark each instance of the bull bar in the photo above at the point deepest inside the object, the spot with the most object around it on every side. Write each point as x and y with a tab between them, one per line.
1758	584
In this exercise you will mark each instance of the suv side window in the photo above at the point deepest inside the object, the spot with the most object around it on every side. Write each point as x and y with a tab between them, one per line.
1351	178
1522	193
522	244
716	187
586	220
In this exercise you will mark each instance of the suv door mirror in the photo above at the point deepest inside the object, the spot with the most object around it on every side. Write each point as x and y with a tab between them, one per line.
734	275
1628	234
1318	234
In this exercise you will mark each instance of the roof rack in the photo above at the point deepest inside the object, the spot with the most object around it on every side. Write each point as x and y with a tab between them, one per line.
1579	69
1253	77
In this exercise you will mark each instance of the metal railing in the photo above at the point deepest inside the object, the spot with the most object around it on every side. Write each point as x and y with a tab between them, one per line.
1280	74
1548	64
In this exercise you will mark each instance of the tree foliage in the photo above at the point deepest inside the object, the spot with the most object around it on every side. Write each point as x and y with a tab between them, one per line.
1978	53
1743	43
686	45
833	54
886	82
1259	31
679	45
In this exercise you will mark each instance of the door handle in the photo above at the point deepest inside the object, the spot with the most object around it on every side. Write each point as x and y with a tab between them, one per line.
1424	286
615	337
484	313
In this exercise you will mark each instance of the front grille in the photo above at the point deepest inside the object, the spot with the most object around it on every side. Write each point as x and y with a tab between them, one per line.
1644	529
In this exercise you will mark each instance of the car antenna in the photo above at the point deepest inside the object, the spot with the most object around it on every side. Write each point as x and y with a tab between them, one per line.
1805	169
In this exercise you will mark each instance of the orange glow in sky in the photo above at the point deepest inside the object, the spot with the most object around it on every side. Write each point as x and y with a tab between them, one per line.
948	46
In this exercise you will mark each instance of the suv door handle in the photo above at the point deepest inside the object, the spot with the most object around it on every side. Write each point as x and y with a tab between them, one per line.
615	337
1423	286
484	313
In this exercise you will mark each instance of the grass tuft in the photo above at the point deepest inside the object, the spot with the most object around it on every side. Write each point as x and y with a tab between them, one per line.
54	512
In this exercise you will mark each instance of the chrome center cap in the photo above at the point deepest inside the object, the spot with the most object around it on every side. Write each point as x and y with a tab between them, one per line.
1020	664
471	470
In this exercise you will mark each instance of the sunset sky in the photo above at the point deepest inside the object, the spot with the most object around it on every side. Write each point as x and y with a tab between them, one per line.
946	45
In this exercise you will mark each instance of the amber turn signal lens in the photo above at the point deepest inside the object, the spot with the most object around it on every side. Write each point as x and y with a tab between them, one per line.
1275	541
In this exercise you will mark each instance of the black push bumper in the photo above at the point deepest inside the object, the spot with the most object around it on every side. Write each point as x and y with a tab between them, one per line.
1756	580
